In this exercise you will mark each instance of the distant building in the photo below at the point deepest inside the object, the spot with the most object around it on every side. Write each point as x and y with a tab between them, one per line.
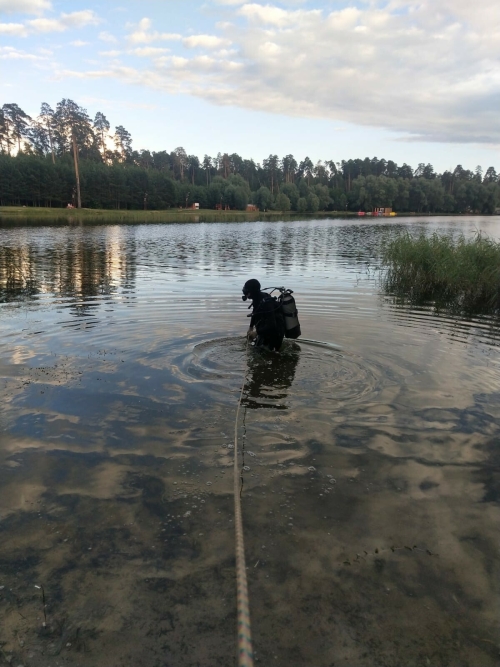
195	206
383	211
222	207
252	207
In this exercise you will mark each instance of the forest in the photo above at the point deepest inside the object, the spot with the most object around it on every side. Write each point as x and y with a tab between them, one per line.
64	157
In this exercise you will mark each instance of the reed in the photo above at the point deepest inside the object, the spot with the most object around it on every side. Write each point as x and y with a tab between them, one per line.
460	273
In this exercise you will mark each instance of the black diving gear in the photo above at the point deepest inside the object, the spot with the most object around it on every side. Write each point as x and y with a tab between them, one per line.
267	316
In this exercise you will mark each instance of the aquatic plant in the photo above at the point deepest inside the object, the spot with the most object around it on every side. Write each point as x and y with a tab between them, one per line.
457	272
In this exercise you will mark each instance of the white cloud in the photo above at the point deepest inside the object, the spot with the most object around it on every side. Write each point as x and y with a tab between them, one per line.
79	42
13	29
149	51
205	41
110	54
142	33
11	53
65	21
275	16
24	6
423	69
105	36
94	74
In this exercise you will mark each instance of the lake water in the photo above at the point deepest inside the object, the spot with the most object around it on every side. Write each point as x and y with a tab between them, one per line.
372	488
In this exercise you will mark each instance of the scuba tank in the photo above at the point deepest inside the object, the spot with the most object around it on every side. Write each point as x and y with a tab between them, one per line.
289	310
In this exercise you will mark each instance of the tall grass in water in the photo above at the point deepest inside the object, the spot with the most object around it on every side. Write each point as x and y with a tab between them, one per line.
462	274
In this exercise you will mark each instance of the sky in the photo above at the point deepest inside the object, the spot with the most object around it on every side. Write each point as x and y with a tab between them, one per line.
408	80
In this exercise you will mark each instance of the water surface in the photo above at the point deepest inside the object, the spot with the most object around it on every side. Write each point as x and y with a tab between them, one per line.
371	481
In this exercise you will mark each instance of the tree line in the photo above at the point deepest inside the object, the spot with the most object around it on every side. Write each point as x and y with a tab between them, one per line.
63	156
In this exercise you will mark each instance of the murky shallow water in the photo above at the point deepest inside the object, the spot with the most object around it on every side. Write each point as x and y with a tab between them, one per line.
120	369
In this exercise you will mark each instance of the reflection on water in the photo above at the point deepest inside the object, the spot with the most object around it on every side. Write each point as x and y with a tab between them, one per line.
67	267
269	377
371	487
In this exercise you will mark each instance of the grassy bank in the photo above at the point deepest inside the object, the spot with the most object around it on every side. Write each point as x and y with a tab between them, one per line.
39	215
461	273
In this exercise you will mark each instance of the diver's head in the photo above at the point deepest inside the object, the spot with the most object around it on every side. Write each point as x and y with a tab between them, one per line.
251	289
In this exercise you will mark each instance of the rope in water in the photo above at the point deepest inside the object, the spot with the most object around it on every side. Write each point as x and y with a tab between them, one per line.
245	654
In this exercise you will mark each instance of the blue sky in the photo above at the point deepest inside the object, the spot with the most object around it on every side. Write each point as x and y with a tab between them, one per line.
412	81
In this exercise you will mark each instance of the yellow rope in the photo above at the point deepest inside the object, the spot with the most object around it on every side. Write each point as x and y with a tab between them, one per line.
245	655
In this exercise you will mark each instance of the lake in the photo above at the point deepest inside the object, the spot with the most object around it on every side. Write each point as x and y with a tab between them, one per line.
371	485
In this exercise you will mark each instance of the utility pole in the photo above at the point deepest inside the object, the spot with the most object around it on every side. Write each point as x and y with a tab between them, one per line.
77	172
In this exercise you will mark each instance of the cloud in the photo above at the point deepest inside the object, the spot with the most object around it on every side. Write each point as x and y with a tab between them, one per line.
13	29
205	41
79	42
426	70
65	21
275	16
24	6
110	54
116	103
142	33
105	36
11	53
149	51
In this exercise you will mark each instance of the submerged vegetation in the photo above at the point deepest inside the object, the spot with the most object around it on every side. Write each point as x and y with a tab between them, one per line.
458	273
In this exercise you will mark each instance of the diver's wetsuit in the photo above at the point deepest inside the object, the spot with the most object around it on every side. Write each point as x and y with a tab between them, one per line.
268	321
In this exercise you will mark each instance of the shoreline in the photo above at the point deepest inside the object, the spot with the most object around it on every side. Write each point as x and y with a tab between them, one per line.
13	214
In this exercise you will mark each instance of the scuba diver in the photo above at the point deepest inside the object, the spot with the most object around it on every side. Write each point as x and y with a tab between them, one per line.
267	325
273	318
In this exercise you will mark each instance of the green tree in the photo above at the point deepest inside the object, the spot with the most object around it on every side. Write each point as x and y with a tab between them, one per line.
207	166
418	197
282	202
312	203
75	131
263	198
4	133
17	122
291	191
306	168
123	143
323	195
271	167
46	118
101	130
302	205
402	199
216	191
39	138
490	175
289	167
193	165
